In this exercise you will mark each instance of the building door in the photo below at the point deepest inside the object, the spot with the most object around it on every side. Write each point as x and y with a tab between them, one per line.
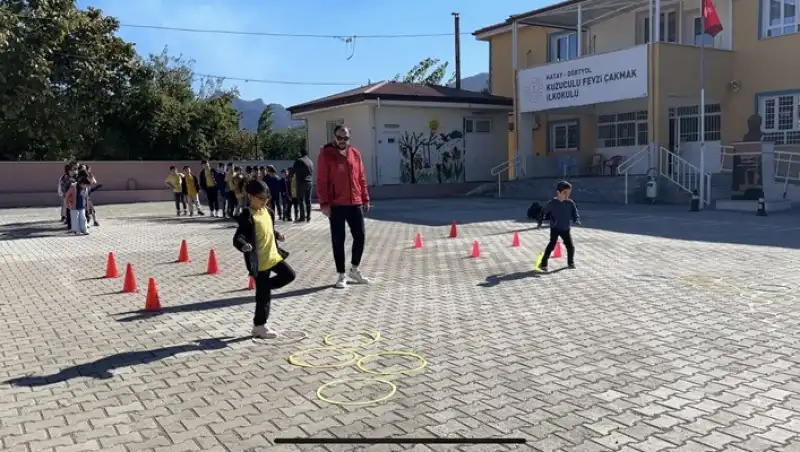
389	159
479	155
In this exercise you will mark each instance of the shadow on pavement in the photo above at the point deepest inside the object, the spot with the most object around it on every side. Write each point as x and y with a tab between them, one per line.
101	369
141	314
494	280
33	230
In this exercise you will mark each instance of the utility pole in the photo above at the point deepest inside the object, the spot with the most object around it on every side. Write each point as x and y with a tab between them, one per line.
457	25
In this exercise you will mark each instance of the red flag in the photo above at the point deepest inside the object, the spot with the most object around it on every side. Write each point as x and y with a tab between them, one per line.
711	19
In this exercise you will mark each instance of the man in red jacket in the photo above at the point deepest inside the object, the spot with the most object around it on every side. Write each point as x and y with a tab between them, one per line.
343	198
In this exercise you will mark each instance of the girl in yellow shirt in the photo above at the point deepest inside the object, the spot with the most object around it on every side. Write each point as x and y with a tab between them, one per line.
256	237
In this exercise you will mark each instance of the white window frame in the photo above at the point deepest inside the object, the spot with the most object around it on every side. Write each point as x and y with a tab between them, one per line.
774	130
690	116
566	125
698	33
768	30
643	34
330	126
613	123
471	125
555	44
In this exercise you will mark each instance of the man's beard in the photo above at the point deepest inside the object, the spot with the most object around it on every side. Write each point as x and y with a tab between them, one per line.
341	146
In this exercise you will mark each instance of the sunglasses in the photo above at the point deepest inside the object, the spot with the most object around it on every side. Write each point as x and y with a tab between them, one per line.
342	138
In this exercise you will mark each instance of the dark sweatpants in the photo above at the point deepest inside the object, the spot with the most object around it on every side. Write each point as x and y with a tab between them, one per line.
353	217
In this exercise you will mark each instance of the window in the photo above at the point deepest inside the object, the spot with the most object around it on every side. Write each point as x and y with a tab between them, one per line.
668	28
477	126
700	36
564	136
779	17
622	129
330	126
563	46
781	118
688	123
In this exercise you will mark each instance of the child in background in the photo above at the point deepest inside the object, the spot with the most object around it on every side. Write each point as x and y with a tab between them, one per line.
72	177
190	187
77	198
293	193
222	194
175	182
563	212
256	237
238	190
230	198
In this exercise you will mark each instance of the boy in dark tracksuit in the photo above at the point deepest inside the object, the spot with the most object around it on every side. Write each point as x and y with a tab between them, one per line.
256	237
563	212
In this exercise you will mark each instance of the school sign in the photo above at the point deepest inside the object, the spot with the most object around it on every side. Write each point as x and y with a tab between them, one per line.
607	77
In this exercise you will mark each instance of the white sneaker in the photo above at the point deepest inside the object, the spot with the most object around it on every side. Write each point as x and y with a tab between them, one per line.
357	276
264	332
341	283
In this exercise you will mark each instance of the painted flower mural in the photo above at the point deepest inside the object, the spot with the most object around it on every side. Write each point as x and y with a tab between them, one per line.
431	158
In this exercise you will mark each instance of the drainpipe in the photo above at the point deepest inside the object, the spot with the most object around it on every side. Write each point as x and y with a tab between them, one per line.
515	69
580	30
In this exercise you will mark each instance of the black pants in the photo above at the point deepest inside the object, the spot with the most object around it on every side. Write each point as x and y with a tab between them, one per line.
275	204
566	236
353	216
304	200
230	202
284	274
69	220
213	201
180	200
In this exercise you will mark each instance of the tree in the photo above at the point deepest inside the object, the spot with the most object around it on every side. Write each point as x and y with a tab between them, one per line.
429	71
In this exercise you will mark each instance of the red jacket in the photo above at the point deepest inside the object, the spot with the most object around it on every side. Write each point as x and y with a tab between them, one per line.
340	179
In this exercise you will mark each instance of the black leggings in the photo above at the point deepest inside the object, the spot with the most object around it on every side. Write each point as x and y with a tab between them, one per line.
284	274
566	236
353	216
180	200
213	201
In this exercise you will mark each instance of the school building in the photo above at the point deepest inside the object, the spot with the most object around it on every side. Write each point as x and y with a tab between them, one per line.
598	89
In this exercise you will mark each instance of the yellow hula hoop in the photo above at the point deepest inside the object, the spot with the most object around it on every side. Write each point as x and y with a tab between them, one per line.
392	392
295	361
423	363
373	336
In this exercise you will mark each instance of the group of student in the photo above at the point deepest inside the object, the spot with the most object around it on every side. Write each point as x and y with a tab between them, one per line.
75	187
226	190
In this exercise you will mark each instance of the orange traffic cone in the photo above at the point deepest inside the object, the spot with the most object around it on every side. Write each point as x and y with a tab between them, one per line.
453	230
515	240
476	249
129	286
252	284
213	268
111	266
152	303
183	256
557	251
418	241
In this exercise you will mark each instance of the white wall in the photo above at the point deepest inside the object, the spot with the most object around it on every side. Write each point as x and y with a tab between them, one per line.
357	118
713	156
478	152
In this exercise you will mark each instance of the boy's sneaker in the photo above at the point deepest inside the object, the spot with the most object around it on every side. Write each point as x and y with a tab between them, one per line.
571	266
543	269
263	332
185	213
200	212
178	213
341	283
191	214
358	277
96	223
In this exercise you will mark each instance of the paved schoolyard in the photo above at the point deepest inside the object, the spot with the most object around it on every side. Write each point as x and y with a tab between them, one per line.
677	331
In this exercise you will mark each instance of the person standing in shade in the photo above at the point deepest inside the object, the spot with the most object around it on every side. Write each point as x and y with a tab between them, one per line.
343	198
303	173
208	182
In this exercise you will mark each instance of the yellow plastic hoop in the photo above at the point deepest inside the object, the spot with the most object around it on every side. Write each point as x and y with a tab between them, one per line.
295	361
392	392
423	363
372	335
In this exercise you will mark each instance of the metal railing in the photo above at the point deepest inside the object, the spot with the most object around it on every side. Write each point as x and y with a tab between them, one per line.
504	168
625	167
787	163
684	174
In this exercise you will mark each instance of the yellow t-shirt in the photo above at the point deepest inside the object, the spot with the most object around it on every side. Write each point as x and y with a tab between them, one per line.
293	188
229	179
268	255
210	182
174	181
191	188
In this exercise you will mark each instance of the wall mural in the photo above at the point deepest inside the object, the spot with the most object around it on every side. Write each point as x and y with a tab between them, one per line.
432	157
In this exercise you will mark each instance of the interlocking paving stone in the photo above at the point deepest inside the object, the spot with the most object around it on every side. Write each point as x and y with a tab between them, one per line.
678	331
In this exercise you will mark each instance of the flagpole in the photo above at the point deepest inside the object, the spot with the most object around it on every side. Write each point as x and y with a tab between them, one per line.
702	106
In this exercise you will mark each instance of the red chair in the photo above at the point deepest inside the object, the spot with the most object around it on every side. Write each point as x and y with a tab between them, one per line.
612	164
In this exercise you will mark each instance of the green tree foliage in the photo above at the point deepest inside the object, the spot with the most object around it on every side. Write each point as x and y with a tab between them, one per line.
72	89
430	71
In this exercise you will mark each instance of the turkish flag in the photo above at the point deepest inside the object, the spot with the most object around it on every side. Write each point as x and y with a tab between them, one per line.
711	19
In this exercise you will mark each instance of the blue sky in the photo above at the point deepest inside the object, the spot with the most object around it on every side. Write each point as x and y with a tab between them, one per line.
304	59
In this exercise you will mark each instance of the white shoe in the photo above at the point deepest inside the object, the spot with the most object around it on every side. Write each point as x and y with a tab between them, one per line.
341	283
356	276
263	332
